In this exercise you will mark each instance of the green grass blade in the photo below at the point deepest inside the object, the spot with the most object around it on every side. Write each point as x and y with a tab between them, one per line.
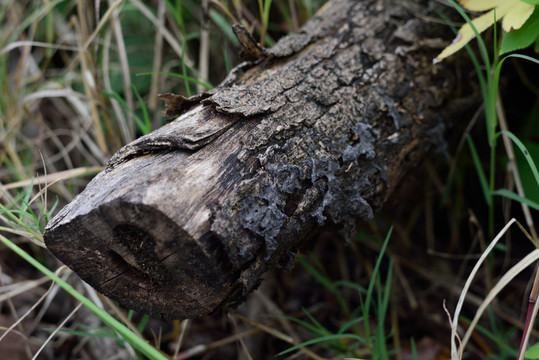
123	103
366	305
323	339
318	328
28	194
95	333
498	68
267	6
480	173
190	79
326	283
224	26
352	285
350	323
525	152
323	280
489	91
184	70
525	57
143	322
226	58
376	270
177	12
513	196
383	305
48	215
414	350
311	329
145	125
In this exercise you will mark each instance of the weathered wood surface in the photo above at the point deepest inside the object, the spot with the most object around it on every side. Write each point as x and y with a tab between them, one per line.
317	131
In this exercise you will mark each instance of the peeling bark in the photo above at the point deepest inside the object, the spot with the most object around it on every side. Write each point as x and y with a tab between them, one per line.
316	131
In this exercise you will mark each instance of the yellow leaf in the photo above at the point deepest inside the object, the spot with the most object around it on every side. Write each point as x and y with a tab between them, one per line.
517	16
466	34
483	5
513	12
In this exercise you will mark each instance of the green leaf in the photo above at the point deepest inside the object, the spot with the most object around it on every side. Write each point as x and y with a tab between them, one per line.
526	153
532	2
533	352
529	183
523	37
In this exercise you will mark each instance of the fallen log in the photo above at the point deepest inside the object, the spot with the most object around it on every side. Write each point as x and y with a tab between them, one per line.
313	132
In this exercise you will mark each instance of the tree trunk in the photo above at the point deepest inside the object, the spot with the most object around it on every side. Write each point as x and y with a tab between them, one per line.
316	131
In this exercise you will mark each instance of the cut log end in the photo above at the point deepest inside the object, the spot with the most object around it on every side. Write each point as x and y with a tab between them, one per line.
153	265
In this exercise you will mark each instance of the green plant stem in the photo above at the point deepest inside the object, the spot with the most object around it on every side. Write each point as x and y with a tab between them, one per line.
491	190
184	70
264	7
369	295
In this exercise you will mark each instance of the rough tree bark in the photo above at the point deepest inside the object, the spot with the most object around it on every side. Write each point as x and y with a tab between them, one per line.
315	131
